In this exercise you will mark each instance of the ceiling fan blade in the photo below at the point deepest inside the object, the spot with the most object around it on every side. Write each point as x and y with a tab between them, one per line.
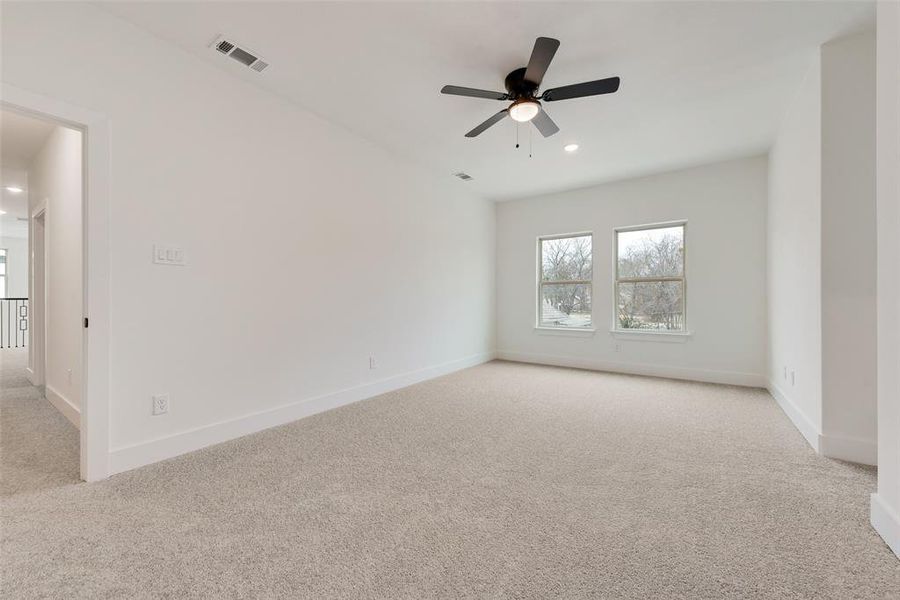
580	90
456	90
545	124
541	55
495	119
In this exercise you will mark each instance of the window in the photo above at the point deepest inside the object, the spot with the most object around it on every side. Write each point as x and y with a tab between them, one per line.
564	288
650	290
2	273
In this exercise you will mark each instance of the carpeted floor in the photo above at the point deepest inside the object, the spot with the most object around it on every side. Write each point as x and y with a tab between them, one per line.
501	481
38	445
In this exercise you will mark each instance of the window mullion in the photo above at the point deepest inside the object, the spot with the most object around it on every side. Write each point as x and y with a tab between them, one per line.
567	282
648	279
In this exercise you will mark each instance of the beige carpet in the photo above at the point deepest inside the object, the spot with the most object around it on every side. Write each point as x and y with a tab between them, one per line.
38	445
501	481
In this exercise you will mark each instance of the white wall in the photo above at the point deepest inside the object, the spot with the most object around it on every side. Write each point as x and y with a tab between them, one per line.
848	248
821	279
16	266
308	249
725	206
794	262
886	503
54	183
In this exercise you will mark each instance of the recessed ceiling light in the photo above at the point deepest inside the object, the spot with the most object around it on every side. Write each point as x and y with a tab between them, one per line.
570	147
14	189
2	212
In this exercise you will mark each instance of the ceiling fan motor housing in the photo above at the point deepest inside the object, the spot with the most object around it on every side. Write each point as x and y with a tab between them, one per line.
518	87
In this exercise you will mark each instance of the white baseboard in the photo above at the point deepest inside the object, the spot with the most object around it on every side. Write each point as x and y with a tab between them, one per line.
688	373
800	420
29	375
886	522
63	405
130	457
855	450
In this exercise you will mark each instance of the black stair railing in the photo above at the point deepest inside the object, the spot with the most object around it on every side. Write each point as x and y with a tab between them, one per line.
13	322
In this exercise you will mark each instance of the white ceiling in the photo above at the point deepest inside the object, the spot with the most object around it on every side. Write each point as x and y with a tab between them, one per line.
21	137
15	206
701	81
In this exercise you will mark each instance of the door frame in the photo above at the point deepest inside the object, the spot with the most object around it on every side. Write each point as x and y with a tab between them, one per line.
37	347
95	129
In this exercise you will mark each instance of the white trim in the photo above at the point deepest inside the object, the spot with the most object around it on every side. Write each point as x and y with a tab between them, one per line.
806	427
651	370
857	450
615	269
572	331
657	225
63	405
539	283
639	335
37	350
886	522
96	156
130	457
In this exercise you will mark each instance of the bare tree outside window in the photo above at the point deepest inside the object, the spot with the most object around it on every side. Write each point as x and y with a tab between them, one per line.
566	271
650	278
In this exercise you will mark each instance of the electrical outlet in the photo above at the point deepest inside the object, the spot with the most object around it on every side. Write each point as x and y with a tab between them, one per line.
160	404
792	378
617	347
69	375
785	372
372	364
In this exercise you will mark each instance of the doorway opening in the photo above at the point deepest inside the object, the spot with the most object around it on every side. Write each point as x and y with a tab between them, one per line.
43	281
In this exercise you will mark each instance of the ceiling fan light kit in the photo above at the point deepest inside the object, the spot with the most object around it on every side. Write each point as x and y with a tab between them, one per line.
524	110
522	89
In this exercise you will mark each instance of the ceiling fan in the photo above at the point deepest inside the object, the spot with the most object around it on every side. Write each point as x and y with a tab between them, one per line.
522	86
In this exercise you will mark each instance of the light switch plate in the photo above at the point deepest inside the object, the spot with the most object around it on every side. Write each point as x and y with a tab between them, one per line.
168	255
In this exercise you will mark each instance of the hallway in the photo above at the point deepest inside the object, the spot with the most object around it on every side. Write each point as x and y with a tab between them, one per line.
38	445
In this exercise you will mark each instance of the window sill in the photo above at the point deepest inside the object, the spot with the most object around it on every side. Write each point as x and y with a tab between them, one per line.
572	331
652	336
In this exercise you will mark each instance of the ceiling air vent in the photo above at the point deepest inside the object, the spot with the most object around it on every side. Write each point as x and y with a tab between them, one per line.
224	47
463	176
241	54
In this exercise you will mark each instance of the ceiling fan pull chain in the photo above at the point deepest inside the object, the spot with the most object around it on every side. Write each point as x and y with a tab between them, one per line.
530	144
517	134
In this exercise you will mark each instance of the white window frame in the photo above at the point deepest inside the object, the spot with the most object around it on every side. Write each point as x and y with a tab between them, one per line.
540	283
616	328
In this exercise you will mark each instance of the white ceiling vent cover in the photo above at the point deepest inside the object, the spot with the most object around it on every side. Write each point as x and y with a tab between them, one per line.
240	53
463	176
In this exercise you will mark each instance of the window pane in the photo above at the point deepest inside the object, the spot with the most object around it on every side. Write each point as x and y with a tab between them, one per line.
565	305
651	252
565	259
651	305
